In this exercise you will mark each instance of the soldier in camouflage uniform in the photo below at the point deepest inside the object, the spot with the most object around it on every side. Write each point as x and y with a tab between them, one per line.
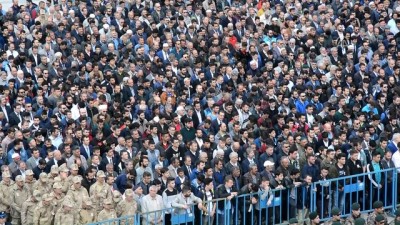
100	191
335	216
63	178
87	214
28	208
44	212
42	184
127	207
19	194
77	192
355	213
29	181
116	198
74	172
57	195
66	215
108	211
5	186
378	210
53	174
397	217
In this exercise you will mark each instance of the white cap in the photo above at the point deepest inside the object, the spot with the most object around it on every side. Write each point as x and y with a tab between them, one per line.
179	108
15	155
91	16
268	163
105	26
156	119
129	32
58	54
165	45
102	107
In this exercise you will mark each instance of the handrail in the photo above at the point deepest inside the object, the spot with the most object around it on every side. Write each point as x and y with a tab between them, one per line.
348	179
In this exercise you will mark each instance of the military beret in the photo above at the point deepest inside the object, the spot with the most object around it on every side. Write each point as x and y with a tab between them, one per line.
293	221
76	179
57	185
355	206
335	211
129	192
313	215
359	221
378	204
379	218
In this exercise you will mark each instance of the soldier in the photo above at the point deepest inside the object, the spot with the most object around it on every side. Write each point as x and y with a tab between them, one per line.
57	195
44	212
28	208
19	195
29	181
87	214
335	216
53	174
355	213
397	217
63	178
100	191
42	184
5	186
108	212
378	210
65	215
77	192
116	198
3	218
314	218
74	172
127	207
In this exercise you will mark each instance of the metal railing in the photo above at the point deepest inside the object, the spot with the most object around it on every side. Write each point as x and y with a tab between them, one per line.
278	206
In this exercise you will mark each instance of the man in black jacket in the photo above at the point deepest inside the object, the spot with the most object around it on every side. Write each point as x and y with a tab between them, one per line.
227	191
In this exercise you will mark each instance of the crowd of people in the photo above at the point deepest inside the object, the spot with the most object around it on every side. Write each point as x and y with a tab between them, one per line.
109	108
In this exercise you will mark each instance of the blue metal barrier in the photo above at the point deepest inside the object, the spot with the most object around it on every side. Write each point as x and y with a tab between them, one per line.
291	202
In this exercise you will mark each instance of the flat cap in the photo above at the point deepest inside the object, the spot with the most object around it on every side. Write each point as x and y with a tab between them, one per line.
378	204
355	206
379	218
359	221
335	211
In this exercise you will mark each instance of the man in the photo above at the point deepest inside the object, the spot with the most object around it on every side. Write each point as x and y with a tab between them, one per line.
355	214
87	214
28	208
185	200
152	202
335	216
127	207
100	191
76	193
66	214
5	186
226	191
108	212
378	210
19	195
376	177
33	161
44	212
3	218
314	218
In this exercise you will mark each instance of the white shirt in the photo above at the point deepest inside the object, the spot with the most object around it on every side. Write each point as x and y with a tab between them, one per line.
396	160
